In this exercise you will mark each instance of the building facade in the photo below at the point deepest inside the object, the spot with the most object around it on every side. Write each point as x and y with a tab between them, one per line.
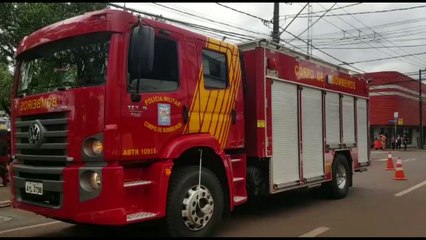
394	92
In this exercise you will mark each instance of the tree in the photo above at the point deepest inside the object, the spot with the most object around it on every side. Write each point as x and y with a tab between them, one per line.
18	20
6	87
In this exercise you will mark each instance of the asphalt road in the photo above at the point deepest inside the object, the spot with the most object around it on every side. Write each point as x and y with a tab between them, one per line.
377	206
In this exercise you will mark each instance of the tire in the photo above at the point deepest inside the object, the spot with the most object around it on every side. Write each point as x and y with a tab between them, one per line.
339	186
184	218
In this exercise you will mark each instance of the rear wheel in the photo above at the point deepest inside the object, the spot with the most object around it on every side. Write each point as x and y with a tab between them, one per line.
194	211
339	186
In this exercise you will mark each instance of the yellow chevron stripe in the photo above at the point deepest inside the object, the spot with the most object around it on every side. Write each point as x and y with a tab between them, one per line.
193	124
233	105
231	99
224	117
211	108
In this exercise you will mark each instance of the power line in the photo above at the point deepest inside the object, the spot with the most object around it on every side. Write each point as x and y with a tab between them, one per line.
380	26
379	59
321	51
248	14
355	48
379	35
208	19
363	42
302	15
380	11
293	19
375	35
360	31
314	22
295	37
217	30
192	25
299	39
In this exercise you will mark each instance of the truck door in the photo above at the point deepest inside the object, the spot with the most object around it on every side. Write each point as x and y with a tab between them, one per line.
149	124
216	96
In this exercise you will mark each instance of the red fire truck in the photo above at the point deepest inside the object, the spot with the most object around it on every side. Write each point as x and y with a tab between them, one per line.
118	120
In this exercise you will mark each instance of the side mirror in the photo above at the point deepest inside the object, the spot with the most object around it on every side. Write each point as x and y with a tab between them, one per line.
141	55
141	51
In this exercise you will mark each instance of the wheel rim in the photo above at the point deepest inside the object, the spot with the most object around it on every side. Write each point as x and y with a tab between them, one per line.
197	208
341	176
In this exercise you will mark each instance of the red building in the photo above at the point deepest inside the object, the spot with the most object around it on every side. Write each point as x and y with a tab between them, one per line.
392	92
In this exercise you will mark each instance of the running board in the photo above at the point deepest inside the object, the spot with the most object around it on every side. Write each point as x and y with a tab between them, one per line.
238	179
140	215
137	183
238	199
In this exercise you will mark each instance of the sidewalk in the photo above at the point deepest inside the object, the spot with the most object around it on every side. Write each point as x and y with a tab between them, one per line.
5	196
409	149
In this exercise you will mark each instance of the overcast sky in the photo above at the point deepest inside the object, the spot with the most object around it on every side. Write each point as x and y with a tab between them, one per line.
345	31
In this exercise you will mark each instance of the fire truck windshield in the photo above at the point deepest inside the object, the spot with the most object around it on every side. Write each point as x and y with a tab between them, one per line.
69	63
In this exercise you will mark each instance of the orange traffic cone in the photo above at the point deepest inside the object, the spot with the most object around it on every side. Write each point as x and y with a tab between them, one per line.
399	173
390	162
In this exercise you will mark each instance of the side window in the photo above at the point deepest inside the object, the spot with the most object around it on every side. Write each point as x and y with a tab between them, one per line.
165	73
214	64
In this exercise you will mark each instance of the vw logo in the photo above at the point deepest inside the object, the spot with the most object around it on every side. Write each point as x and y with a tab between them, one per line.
35	133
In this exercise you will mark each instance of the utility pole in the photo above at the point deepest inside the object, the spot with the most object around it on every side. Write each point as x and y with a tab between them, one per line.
420	110
309	40
276	23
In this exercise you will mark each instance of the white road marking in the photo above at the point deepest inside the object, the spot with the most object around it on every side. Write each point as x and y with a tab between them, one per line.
410	189
315	232
4	219
409	159
382	160
28	227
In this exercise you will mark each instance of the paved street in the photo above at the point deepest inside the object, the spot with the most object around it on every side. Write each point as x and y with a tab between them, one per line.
377	206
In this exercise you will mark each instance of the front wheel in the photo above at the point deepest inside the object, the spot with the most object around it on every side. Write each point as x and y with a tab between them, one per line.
193	210
339	186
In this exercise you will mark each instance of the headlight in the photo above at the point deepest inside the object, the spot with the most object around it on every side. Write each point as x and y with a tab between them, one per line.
93	147
97	147
90	181
95	180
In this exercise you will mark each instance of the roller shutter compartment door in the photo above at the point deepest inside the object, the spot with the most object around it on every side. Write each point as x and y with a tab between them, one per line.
312	133
285	134
362	130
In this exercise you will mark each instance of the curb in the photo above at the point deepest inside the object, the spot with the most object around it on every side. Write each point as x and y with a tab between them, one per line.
4	203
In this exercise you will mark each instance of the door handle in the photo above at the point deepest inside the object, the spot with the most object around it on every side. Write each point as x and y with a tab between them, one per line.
185	114
233	116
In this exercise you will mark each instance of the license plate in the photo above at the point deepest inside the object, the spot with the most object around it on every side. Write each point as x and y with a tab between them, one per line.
34	188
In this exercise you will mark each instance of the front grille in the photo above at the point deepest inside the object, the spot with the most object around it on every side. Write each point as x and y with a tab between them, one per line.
53	149
50	177
51	199
43	161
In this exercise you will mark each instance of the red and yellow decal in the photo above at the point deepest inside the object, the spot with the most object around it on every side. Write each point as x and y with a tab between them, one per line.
137	151
210	109
307	73
343	82
155	127
39	103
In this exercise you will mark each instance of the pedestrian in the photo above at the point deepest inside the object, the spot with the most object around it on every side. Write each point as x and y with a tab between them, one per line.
4	156
404	141
398	142
393	143
383	139
377	144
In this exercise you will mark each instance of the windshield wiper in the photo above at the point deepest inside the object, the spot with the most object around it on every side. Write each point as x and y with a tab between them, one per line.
62	86
23	92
